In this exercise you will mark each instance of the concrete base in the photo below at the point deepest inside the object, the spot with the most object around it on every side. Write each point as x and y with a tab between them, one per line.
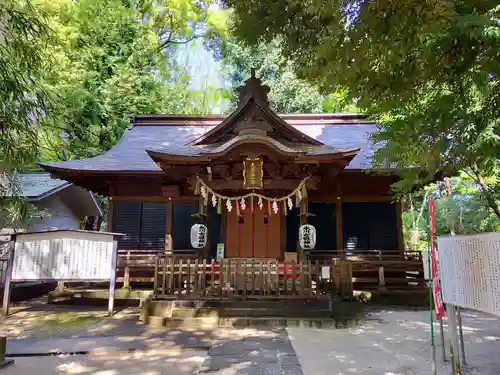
28	290
406	298
99	296
260	323
6	363
251	313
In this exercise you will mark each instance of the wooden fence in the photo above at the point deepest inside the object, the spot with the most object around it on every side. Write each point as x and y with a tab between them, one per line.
175	277
387	270
137	266
371	269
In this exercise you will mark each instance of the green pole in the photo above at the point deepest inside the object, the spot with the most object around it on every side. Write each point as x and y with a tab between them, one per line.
431	302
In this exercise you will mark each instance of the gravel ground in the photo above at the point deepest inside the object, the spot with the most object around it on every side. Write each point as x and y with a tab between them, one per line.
389	342
395	343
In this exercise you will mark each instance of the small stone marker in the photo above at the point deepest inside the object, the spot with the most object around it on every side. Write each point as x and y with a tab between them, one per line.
3	348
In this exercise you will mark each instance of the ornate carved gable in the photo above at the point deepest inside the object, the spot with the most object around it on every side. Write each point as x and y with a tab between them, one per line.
252	120
253	116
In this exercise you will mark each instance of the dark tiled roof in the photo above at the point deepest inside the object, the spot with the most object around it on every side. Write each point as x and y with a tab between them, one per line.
284	146
129	154
38	185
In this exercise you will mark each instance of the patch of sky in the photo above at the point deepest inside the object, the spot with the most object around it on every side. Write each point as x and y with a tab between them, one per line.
203	70
351	9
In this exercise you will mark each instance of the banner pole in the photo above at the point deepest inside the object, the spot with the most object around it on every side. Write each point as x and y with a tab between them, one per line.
443	345
461	335
431	303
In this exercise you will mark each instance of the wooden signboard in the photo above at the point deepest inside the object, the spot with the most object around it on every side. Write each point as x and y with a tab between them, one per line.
62	255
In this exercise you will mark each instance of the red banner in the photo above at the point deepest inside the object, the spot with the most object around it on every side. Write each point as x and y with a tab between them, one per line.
436	286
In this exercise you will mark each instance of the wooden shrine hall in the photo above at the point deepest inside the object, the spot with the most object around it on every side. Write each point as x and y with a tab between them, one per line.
252	179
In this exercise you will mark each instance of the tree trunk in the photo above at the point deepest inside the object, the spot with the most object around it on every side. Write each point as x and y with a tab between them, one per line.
414	239
489	198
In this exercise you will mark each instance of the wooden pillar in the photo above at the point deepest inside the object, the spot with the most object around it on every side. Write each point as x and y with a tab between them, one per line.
223	223
338	228
112	281
399	223
110	208
126	273
381	279
169	245
110	214
304	209
223	230
203	218
8	278
282	234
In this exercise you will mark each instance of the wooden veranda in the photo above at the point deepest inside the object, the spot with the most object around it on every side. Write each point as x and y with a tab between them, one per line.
184	275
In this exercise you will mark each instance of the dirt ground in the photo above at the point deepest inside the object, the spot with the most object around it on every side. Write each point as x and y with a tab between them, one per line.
389	342
396	343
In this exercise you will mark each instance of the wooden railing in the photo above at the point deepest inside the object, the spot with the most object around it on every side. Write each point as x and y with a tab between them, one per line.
400	270
137	266
175	277
364	254
387	270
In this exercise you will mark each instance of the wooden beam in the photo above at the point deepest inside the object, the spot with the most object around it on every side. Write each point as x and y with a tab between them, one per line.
285	184
153	199
399	223
171	191
361	198
330	198
338	228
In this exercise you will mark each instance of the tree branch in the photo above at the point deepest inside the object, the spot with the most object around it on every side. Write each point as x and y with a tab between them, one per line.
169	41
490	199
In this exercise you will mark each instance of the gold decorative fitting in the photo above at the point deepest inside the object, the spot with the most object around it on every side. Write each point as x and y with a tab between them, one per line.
253	173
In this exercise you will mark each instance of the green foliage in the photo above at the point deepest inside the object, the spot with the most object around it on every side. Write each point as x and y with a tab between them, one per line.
428	71
73	94
23	36
109	67
460	209
289	94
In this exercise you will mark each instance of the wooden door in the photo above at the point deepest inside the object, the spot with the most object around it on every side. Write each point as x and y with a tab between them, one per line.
250	236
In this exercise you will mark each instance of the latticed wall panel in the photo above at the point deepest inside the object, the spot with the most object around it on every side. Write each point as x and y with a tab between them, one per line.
469	268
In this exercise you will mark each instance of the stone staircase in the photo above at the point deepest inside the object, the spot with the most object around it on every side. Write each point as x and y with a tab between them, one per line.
252	313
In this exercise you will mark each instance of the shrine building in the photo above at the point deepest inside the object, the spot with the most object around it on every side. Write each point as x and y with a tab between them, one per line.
252	178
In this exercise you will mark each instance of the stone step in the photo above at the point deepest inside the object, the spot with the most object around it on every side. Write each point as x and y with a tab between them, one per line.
251	312
262	322
249	303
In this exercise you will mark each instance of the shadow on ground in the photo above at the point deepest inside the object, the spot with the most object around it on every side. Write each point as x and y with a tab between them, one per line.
121	345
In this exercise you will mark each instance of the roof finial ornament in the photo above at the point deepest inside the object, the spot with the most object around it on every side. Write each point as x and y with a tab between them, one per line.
253	86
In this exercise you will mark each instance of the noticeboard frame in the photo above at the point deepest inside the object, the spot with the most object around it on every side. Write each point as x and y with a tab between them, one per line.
10	264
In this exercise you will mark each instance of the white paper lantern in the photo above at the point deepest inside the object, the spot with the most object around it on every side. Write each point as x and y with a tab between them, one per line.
199	234
307	237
